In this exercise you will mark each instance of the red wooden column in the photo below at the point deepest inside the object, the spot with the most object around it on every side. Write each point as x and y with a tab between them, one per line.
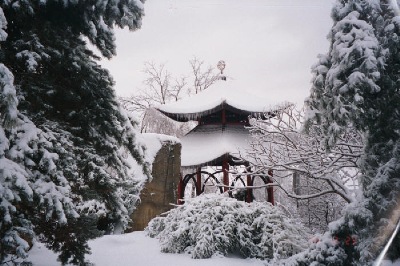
270	190
225	171
225	165
249	194
198	181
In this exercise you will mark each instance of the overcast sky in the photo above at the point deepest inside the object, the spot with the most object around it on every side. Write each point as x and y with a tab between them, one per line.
269	46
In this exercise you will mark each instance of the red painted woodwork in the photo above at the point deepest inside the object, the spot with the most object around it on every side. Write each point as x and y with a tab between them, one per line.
224	117
249	196
198	181
225	169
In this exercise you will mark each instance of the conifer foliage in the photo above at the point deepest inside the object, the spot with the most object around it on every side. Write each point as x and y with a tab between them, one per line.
356	85
346	79
71	166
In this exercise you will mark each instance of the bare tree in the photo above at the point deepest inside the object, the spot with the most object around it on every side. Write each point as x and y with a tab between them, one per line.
161	87
279	144
316	181
202	78
158	84
315	213
158	89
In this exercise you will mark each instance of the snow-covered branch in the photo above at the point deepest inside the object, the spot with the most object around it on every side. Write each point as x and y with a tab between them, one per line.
279	144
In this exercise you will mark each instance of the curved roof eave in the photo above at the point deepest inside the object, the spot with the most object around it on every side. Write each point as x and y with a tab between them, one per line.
184	117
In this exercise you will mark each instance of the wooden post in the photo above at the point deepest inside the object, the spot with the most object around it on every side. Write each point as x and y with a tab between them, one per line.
270	190
198	181
249	194
225	170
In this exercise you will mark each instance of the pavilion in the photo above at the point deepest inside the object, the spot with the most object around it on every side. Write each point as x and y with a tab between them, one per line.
220	138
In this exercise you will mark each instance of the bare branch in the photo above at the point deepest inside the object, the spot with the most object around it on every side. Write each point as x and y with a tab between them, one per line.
278	144
159	87
202	78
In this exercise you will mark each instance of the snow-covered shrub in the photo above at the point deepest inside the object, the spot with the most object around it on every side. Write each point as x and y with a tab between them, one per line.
213	224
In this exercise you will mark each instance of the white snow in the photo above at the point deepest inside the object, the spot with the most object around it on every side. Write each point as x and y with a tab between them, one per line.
134	249
216	224
3	26
209	142
153	143
31	59
138	249
395	7
222	92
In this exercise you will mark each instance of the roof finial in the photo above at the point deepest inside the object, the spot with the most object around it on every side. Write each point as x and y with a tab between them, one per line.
221	66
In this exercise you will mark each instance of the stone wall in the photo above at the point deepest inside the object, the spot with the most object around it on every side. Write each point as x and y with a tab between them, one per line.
162	189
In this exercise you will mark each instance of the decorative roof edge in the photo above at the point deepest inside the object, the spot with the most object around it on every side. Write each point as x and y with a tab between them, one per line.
184	117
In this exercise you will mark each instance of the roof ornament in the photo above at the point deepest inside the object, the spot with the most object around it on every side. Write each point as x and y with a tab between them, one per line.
221	66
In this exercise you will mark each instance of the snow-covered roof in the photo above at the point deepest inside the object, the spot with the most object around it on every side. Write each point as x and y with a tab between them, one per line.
208	144
221	94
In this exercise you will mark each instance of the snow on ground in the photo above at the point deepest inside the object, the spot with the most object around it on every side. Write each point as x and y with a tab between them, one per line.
135	249
138	249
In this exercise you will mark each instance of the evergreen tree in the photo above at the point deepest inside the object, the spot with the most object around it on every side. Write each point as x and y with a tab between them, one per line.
71	166
357	85
345	79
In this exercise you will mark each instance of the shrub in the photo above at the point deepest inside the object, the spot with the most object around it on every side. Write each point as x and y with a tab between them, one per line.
213	224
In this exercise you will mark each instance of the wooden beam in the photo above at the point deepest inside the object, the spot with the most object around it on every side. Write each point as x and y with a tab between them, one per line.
198	181
225	169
